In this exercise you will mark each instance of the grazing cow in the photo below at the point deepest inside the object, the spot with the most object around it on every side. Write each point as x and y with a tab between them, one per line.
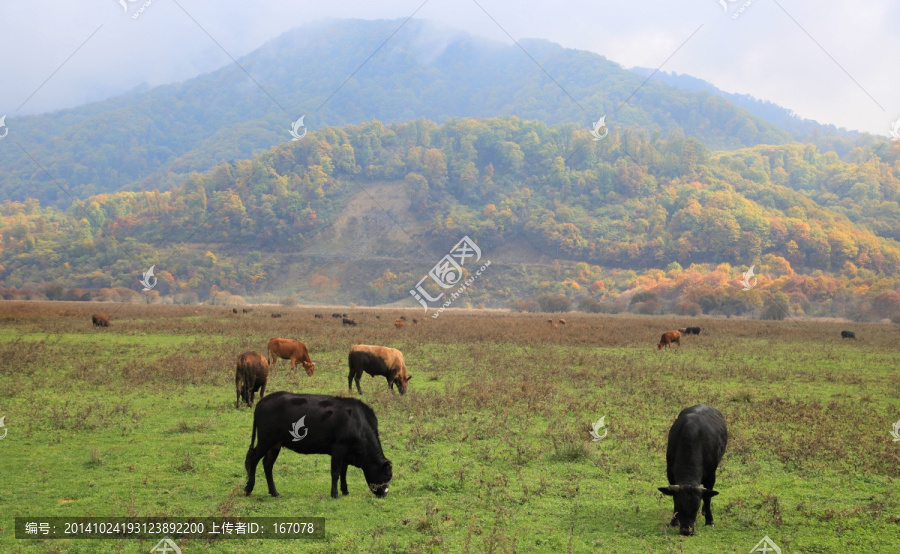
348	321
343	315
100	320
293	350
668	338
319	316
398	323
276	315
345	428
848	335
697	442
335	315
377	360
245	310
562	321
693	330
251	375
403	317
415	321
234	310
684	331
377	317
550	321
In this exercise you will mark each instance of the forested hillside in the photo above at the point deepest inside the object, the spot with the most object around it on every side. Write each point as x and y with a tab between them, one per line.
658	222
151	139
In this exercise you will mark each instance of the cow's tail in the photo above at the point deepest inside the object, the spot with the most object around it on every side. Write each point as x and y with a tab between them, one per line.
252	434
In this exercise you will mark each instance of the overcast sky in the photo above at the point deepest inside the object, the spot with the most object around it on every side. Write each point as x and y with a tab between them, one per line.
832	61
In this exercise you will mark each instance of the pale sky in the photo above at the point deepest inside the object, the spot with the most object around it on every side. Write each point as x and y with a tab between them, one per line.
835	62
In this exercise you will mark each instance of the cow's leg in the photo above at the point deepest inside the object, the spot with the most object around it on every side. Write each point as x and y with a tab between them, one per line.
254	455
344	490
268	464
237	403
707	508
262	391
337	466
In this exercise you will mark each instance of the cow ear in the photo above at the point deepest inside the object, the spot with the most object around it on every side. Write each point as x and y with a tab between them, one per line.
387	465
708	493
408	377
666	491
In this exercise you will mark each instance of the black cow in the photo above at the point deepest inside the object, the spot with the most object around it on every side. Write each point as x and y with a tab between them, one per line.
319	316
348	321
377	317
343	315
335	315
345	428
848	335
403	317
692	331
697	442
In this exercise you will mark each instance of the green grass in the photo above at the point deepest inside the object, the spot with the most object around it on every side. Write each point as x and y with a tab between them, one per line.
490	447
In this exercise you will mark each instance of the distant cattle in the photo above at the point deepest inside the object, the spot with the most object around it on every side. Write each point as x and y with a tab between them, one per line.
403	317
345	428
251	375
562	321
398	323
697	442
550	321
377	360
100	320
693	331
234	310
377	317
683	331
276	315
335	315
245	310
343	315
848	335
293	350
415	321
319	316
348	321
668	338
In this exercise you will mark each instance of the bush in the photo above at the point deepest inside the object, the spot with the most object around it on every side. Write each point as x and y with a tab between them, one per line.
288	301
896	319
590	305
525	305
643	297
688	308
650	307
554	303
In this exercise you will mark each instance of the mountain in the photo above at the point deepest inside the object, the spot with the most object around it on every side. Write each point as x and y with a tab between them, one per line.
361	213
152	139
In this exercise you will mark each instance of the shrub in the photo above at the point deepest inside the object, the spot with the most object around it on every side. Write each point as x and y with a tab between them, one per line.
688	308
525	305
554	303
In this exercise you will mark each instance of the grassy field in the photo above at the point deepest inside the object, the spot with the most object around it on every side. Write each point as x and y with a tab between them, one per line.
490	447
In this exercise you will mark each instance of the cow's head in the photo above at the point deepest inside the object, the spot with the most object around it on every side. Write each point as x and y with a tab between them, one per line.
687	503
379	477
402	382
659	346
310	367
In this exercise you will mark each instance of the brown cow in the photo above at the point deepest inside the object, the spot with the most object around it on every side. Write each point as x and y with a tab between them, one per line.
550	321
100	320
398	323
276	315
245	310
251	375
234	310
293	350
668	338
562	321
348	321
377	360
415	321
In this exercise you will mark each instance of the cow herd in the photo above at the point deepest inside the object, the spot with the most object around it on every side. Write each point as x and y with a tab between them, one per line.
347	428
